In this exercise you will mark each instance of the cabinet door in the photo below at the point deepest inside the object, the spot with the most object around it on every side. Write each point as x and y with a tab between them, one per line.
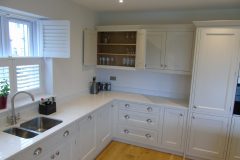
216	62
155	49
173	129
89	47
208	136
86	139
140	49
103	127
62	151
235	140
178	55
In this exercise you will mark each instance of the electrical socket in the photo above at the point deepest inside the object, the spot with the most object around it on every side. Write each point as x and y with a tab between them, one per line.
113	78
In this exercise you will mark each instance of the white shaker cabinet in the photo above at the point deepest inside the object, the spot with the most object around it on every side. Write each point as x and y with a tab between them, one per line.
170	51
178	55
208	136
103	127
85	144
155	50
173	132
215	70
61	152
234	148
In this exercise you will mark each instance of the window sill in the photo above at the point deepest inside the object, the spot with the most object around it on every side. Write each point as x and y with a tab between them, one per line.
25	101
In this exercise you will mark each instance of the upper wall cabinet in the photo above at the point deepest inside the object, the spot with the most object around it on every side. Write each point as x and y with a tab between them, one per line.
170	51
54	38
215	70
115	48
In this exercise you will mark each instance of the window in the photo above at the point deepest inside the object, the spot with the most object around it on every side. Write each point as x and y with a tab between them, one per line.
4	74
20	38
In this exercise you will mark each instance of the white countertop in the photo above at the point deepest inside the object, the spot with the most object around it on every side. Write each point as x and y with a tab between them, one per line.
75	109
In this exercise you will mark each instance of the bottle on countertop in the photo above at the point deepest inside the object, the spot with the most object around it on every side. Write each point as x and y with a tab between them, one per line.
94	86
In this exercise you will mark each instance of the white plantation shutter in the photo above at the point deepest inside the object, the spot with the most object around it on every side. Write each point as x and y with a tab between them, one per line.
28	77
55	38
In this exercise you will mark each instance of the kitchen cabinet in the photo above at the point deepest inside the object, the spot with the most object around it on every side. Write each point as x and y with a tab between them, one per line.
103	127
234	148
115	48
61	152
56	146
170	51
85	144
208	136
173	131
215	70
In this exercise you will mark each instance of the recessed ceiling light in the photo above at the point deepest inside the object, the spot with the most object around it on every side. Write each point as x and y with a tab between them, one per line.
120	1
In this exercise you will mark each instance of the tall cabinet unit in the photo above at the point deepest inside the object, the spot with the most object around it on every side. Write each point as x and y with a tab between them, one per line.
234	151
213	87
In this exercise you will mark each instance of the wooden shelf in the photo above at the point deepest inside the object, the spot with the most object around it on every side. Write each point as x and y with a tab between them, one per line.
116	54
116	67
117	44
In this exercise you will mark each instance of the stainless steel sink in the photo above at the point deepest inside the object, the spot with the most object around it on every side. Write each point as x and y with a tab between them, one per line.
20	132
40	124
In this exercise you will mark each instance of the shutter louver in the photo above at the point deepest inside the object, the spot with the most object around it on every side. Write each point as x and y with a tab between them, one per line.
28	77
55	38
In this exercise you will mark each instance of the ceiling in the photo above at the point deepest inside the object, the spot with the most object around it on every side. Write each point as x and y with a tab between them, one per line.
154	5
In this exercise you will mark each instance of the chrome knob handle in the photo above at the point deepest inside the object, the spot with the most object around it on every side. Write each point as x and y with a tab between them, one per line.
161	65
126	131
37	151
126	116
149	109
180	114
57	153
53	156
149	121
89	117
66	133
148	136
165	66
127	105
193	117
195	107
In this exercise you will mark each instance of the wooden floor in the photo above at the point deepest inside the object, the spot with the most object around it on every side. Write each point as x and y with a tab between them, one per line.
121	151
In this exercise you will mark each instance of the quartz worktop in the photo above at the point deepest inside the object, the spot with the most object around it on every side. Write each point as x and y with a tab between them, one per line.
76	109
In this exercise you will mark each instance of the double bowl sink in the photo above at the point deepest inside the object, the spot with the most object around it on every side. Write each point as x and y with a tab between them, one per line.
33	127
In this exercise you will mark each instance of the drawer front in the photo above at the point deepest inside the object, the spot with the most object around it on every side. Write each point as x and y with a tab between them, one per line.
143	136
138	119
144	108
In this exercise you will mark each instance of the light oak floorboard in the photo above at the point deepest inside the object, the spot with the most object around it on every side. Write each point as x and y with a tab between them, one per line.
121	151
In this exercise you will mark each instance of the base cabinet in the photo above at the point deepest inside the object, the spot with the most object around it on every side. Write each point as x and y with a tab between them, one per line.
173	131
103	127
62	152
85	146
234	148
208	136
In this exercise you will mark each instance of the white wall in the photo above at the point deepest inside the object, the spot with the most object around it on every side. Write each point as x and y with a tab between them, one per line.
69	77
166	17
147	82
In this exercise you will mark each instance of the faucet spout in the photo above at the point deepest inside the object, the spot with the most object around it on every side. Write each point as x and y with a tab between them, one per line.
13	117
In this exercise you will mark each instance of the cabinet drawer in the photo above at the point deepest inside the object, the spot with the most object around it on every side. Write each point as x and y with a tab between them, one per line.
145	108
138	119
143	136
